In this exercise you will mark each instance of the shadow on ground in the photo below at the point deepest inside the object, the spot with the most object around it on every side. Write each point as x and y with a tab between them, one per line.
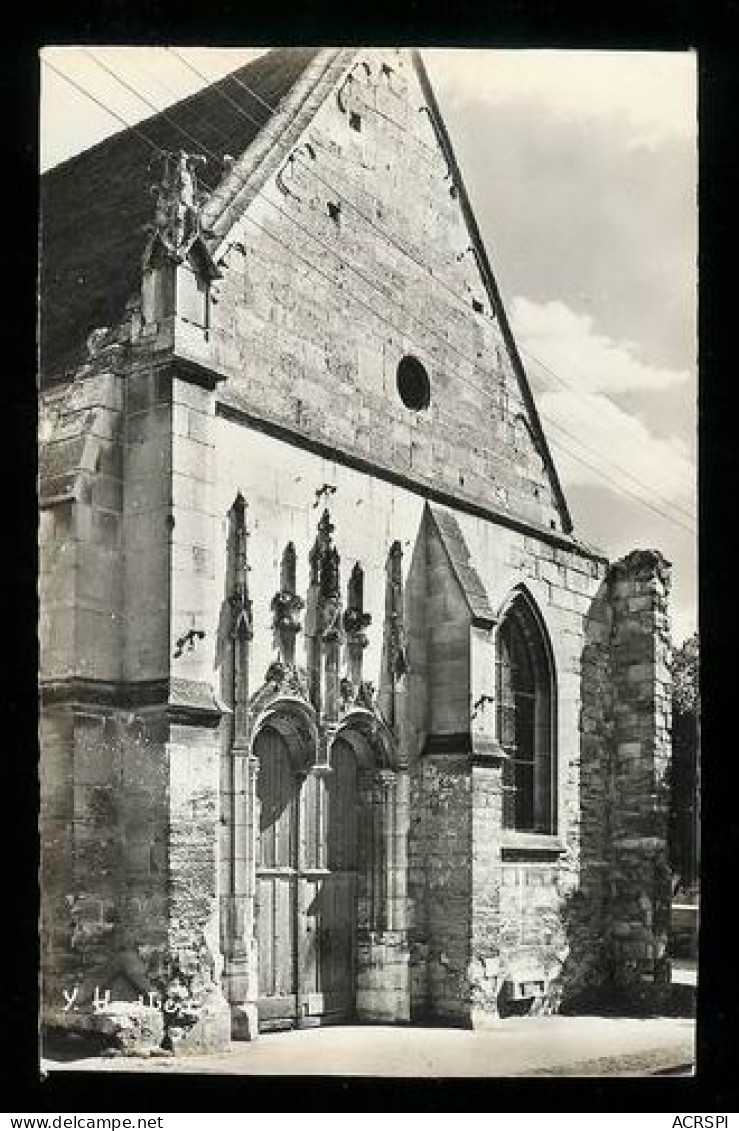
671	1000
64	1047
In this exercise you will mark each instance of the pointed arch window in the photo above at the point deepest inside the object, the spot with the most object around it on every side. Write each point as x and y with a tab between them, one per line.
525	701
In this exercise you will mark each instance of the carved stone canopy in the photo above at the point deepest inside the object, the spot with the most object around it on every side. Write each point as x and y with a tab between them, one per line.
357	695
368	734
286	607
331	627
325	562
177	229
280	679
330	584
355	621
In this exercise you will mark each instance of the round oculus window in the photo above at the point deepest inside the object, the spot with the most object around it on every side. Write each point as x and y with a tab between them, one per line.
414	386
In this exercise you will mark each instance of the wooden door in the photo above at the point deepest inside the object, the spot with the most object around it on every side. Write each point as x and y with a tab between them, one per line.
278	792
306	888
330	891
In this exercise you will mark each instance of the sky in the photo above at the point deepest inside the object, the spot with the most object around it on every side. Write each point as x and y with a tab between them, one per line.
581	167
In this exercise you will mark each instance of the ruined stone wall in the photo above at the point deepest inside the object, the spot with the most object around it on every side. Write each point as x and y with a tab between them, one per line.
534	938
128	882
639	872
619	921
418	837
587	909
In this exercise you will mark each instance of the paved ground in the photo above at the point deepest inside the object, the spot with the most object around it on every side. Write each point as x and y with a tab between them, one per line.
572	1046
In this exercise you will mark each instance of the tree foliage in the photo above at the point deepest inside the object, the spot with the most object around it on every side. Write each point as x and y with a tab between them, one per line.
686	677
685	763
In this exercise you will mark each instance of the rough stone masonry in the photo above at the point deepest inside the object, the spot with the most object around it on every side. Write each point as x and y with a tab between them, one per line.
339	719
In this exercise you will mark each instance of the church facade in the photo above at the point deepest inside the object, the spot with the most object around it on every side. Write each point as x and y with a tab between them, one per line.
340	721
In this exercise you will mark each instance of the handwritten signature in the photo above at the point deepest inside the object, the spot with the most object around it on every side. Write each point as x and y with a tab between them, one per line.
101	1000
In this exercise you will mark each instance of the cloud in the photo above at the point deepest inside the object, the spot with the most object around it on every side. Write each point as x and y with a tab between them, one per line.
595	441
570	210
568	343
653	92
614	448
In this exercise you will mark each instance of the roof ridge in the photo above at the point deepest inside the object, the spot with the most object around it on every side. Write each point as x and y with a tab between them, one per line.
222	201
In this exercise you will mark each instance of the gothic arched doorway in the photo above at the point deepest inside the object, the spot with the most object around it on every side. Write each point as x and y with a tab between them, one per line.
306	884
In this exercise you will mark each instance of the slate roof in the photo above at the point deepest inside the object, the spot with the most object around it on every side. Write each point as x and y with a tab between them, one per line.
95	206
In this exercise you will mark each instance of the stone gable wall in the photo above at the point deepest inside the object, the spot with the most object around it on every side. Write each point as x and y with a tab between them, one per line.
618	921
312	314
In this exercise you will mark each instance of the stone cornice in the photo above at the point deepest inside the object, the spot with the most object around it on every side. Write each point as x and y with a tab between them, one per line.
182	700
195	374
226	408
481	751
530	846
